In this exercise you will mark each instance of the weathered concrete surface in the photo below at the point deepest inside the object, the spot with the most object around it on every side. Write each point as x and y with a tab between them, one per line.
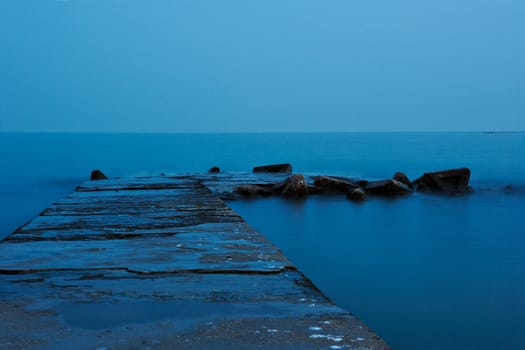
159	263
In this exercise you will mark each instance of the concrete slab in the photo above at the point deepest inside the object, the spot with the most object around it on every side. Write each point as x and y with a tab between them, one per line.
159	263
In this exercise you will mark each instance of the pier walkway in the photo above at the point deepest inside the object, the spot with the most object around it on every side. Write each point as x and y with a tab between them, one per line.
159	263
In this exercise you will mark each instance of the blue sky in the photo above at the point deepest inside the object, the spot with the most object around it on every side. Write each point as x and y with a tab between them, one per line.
236	66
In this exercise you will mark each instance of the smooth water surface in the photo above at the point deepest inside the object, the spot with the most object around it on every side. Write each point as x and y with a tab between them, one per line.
425	272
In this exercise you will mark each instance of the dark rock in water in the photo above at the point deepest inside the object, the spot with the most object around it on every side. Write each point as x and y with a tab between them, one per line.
295	187
247	191
507	188
312	189
252	191
98	175
401	177
279	187
333	185
214	169
362	183
357	195
452	181
387	188
274	168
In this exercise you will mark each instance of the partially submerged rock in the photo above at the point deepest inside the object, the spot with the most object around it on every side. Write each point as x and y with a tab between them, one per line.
98	175
451	181
295	187
274	168
357	195
312	189
327	184
388	188
253	191
362	183
401	177
214	170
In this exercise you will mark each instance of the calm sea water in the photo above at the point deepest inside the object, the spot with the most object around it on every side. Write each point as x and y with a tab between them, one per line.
425	272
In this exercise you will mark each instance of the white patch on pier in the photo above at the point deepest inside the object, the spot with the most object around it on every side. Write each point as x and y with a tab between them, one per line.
336	338
317	336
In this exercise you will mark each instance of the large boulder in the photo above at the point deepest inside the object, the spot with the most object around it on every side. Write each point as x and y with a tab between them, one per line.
401	177
295	187
388	188
357	195
98	175
328	184
274	168
252	191
451	181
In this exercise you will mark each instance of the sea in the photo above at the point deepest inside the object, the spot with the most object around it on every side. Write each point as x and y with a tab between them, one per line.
425	272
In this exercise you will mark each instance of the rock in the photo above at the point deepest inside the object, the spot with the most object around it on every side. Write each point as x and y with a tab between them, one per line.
274	168
98	175
357	195
312	189
507	189
214	169
279	187
333	185
247	191
295	187
452	181
401	177
362	183
253	191
387	188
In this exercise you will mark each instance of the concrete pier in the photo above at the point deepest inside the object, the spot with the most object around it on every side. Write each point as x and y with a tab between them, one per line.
159	263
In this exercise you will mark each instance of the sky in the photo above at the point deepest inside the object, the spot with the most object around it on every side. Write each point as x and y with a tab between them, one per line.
262	66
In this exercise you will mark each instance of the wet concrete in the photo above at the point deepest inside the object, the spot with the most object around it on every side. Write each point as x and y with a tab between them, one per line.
159	263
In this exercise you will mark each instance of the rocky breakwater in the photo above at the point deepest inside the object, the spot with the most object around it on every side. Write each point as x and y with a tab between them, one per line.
298	186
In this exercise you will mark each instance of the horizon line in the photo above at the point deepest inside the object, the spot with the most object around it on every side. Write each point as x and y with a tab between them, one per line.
258	132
